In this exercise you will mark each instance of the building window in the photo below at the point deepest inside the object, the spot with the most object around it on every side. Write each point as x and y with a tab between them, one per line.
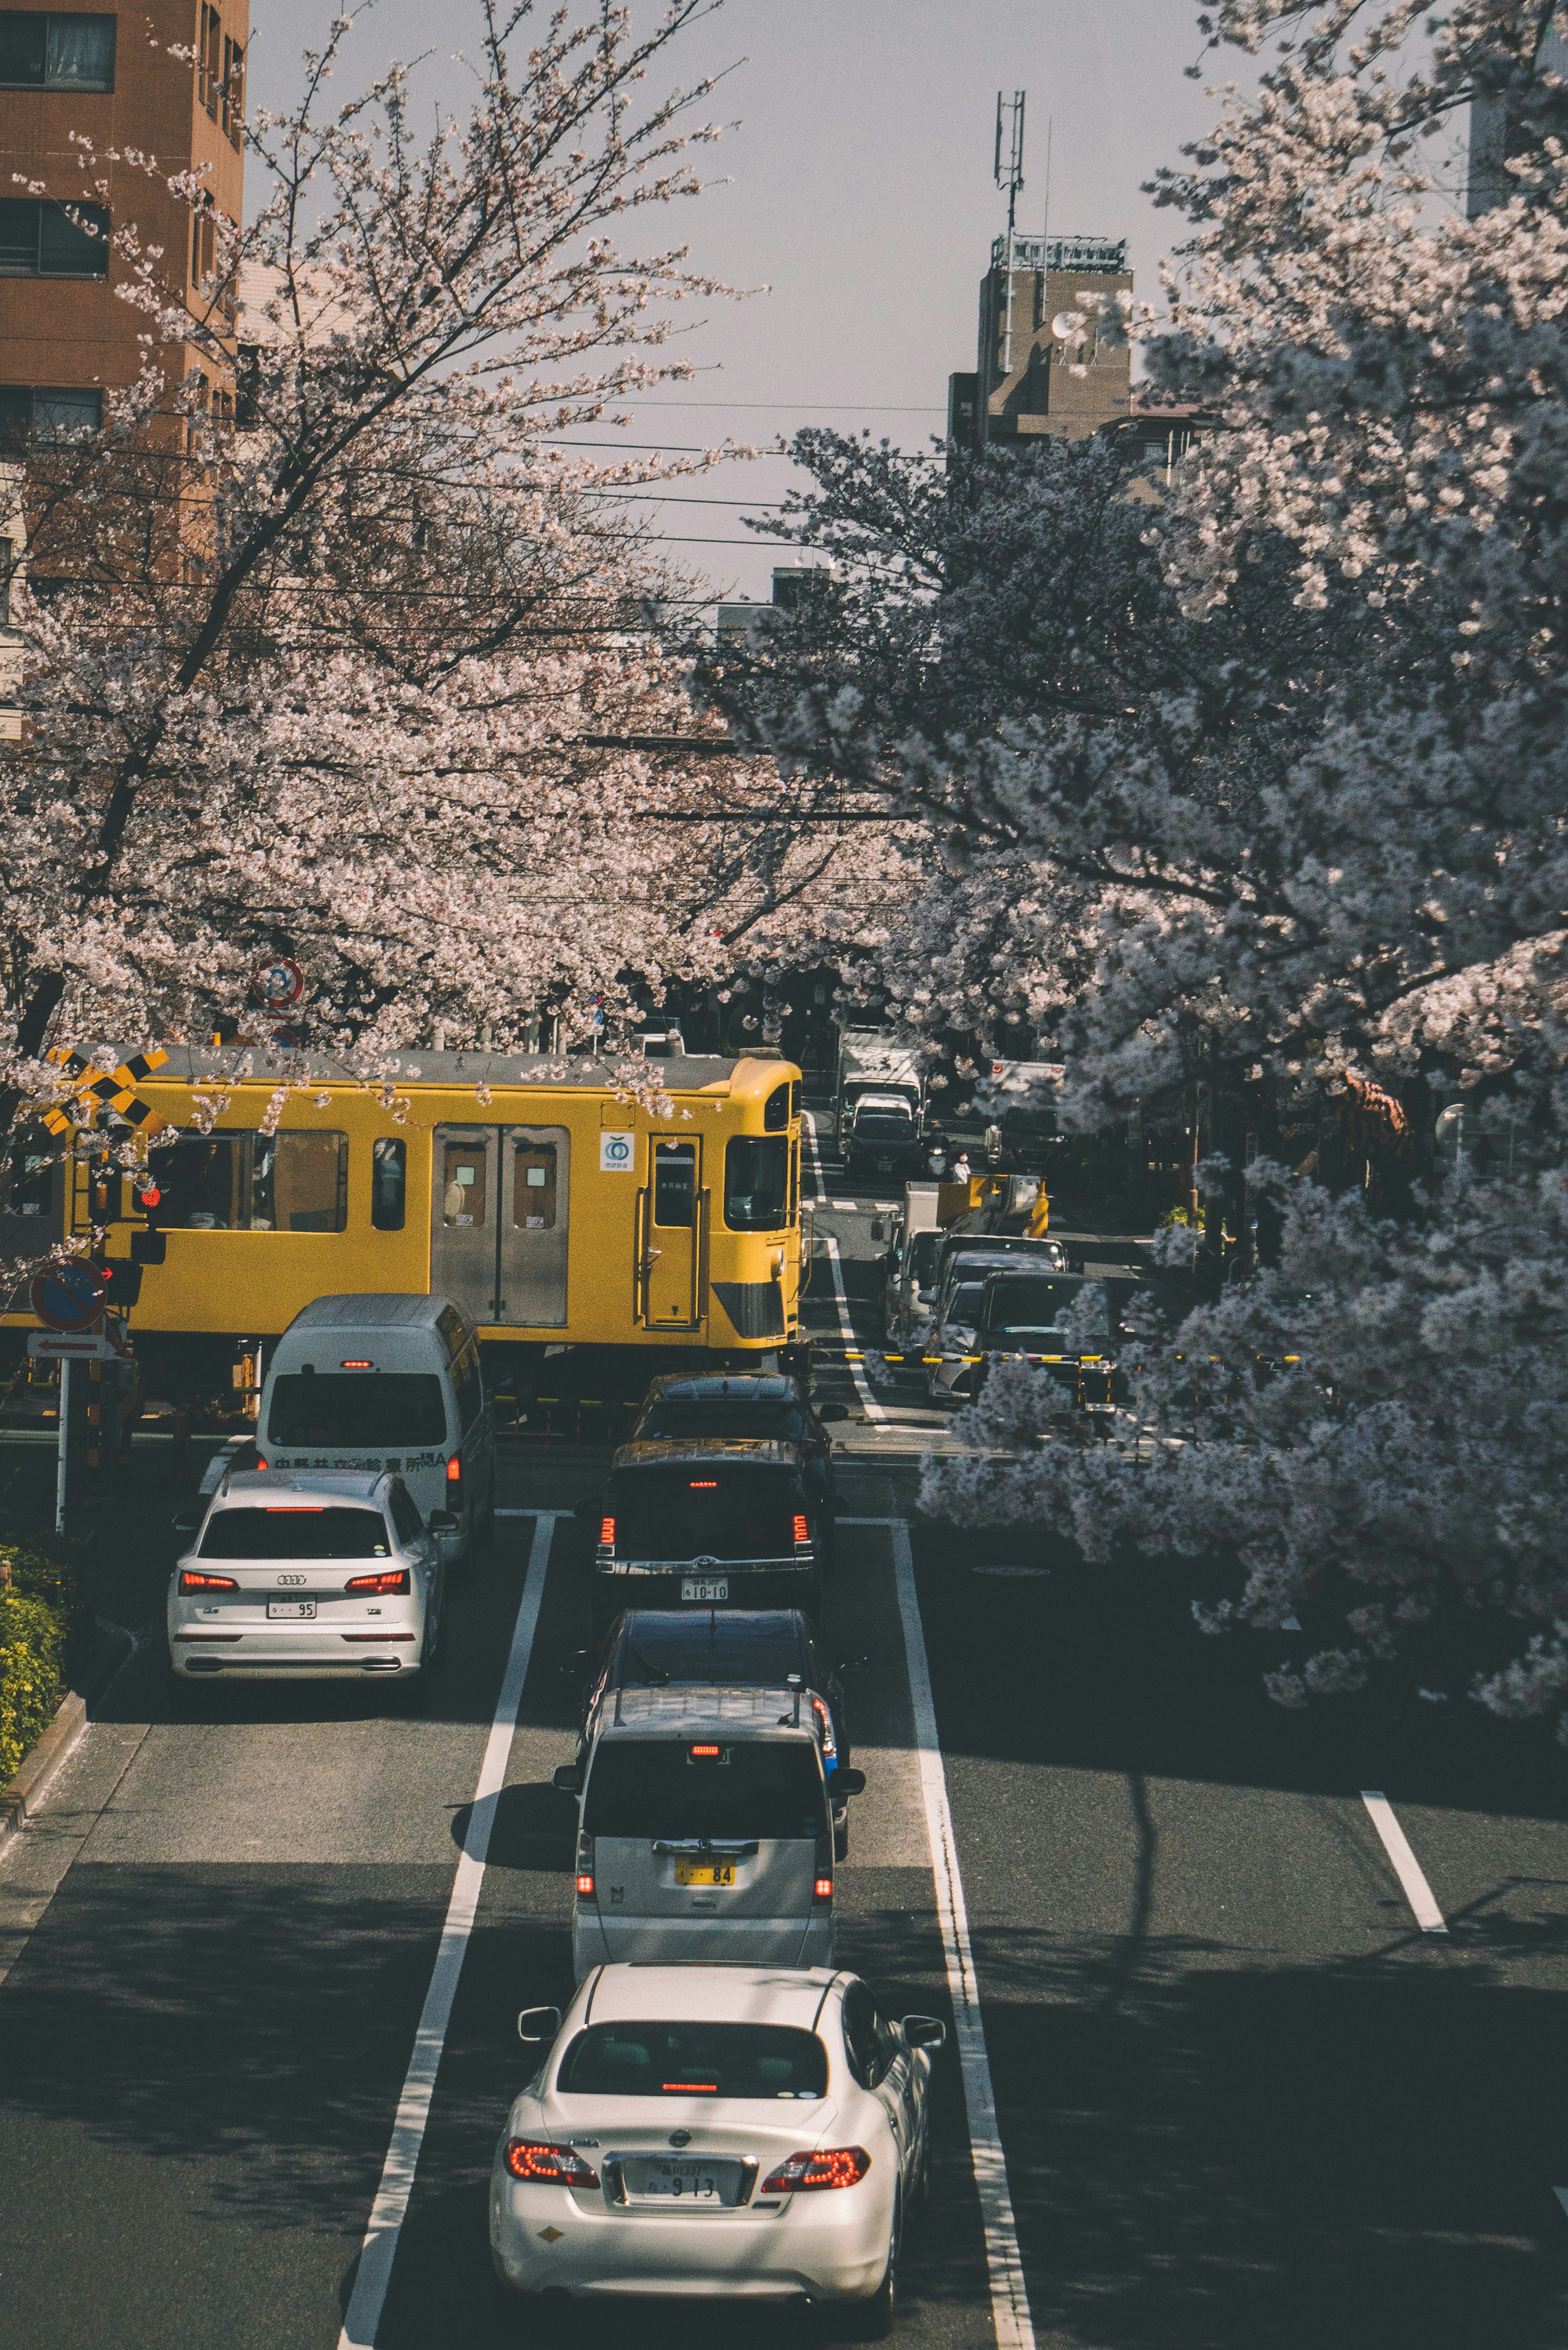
44	52
210	60
234	90
44	240
46	412
7	572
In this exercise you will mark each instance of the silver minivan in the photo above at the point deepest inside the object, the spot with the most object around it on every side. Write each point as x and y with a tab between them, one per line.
704	1832
386	1381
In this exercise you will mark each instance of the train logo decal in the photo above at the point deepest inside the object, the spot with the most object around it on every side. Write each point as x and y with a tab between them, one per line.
617	1153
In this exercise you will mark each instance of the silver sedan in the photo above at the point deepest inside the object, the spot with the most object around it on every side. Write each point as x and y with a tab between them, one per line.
734	2133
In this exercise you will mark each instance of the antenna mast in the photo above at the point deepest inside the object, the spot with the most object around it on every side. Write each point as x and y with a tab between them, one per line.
1013	183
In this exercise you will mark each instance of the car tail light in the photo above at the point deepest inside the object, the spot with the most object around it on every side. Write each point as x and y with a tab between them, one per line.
823	1888
706	1753
802	1530
606	1534
261	1465
355	1362
831	2166
191	1581
455	1481
539	2165
395	1579
584	1885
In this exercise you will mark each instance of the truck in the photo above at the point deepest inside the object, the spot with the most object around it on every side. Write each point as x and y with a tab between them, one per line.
871	1062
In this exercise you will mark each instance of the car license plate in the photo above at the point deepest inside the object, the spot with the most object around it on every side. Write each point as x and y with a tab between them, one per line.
290	1611
678	2182
702	1586
704	1872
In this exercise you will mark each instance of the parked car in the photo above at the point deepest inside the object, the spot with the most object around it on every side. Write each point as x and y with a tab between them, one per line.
712	1522
761	1404
703	1831
386	1382
318	1577
727	1647
671	2141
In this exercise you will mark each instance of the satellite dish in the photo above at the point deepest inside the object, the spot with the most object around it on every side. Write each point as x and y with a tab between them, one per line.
1067	326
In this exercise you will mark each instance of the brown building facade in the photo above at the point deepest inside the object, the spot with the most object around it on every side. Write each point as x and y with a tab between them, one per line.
1029	379
65	338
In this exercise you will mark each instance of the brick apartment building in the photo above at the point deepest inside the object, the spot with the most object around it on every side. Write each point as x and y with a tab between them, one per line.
1024	382
65	338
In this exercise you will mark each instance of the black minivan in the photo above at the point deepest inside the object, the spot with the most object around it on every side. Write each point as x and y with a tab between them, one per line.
710	1521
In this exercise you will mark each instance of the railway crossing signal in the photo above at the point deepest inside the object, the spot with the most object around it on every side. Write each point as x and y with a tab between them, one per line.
116	1093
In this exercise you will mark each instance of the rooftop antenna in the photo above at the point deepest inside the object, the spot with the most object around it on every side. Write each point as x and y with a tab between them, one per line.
1013	183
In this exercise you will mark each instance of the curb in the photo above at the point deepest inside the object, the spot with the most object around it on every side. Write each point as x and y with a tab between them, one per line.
23	1796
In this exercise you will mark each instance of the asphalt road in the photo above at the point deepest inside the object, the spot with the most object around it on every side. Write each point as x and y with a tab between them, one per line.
1244	2100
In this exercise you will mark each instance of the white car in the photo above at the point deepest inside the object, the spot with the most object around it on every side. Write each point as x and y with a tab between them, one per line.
316	1578
720	2132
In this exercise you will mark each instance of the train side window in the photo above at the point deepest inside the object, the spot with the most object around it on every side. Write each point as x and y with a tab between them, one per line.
32	1176
533	1188
299	1182
463	1201
775	1110
388	1185
200	1186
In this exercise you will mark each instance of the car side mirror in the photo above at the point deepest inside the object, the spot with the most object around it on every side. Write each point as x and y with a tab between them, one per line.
536	2024
854	1665
849	1783
188	1522
567	1779
588	1509
831	1411
925	2032
444	1522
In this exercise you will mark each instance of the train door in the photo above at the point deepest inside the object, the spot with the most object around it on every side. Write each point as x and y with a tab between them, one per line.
672	1237
531	1230
463	1204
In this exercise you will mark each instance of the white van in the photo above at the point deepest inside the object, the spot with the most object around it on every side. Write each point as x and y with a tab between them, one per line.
389	1382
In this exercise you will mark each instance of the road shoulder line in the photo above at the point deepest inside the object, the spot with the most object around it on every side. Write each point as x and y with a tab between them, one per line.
390	2207
1406	1867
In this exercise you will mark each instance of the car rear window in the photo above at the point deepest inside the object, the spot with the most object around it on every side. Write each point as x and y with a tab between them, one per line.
296	1529
1066	1311
717	1509
768	1788
740	1416
349	1410
682	2059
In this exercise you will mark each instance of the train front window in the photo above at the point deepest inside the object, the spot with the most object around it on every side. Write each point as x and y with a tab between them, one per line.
756	1184
675	1183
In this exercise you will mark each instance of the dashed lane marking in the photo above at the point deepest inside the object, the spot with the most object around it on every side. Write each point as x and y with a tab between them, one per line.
390	2208
1406	1867
809	1122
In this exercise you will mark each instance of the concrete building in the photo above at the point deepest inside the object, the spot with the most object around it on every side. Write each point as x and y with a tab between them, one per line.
64	337
793	577
1031	376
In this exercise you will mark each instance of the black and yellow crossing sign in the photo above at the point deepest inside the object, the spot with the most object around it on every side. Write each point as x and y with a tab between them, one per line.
116	1093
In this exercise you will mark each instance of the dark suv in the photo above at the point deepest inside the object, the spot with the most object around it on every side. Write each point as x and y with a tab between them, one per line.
752	1404
728	1647
714	1521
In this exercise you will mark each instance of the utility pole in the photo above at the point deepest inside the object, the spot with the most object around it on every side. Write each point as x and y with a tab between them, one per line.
1013	183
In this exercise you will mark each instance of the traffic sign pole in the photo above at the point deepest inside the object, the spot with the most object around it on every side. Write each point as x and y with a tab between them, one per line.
64	1443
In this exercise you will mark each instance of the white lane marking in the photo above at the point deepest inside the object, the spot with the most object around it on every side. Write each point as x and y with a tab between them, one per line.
1406	1867
1038	1572
1290	1624
873	1409
392	2205
1561	2195
1009	2295
885	1206
809	1122
848	1204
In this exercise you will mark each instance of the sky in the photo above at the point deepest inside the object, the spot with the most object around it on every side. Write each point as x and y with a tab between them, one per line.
857	189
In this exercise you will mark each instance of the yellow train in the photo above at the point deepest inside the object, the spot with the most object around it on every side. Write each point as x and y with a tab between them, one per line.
555	1210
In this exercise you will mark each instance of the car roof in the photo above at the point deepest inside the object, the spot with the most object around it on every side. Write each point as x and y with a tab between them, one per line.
716	1993
729	1633
375	1309
255	1485
697	1705
746	1452
748	1387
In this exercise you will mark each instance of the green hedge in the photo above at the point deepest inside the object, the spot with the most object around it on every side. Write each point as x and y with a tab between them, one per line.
44	1568
32	1649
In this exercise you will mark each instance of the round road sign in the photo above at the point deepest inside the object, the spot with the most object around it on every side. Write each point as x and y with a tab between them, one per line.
68	1296
277	983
